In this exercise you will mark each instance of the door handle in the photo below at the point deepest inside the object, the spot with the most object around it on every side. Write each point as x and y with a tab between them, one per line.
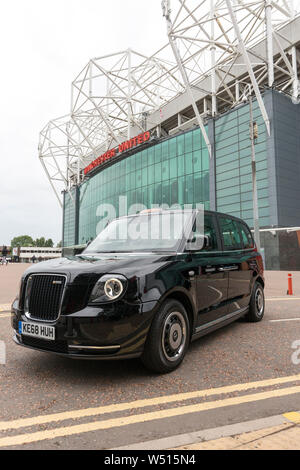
228	268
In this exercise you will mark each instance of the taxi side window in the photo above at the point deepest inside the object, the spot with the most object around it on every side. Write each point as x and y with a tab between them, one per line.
230	234
210	231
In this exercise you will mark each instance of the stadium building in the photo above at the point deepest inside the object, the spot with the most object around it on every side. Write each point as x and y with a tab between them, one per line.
176	127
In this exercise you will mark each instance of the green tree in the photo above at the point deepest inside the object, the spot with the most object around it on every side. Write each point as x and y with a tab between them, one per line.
49	243
23	240
59	245
40	242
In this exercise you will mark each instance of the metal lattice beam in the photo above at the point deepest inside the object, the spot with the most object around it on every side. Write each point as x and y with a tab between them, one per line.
217	51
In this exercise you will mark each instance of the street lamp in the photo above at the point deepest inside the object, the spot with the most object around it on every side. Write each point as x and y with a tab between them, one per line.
253	138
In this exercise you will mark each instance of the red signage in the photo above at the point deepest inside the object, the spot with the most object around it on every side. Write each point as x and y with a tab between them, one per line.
124	147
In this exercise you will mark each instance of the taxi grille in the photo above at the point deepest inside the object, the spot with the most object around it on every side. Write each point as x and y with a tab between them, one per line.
45	294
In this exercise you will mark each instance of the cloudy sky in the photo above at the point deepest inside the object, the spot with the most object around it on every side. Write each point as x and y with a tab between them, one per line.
44	45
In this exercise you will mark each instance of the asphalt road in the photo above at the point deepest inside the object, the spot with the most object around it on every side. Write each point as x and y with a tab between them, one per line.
47	402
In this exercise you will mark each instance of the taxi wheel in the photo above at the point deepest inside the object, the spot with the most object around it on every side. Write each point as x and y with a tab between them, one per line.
257	304
168	338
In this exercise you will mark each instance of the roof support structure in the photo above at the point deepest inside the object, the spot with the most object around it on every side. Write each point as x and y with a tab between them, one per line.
167	13
217	51
249	66
269	33
221	33
295	73
213	59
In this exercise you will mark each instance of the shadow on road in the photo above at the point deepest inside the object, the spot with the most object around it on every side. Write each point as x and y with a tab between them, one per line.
65	369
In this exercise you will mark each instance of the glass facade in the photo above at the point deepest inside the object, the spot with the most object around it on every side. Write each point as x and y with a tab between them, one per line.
234	168
177	171
69	222
281	249
171	172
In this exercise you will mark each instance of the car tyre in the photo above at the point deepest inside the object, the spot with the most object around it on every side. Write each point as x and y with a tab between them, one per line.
168	338
257	304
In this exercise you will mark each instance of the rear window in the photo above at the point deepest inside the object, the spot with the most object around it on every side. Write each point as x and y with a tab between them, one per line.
247	238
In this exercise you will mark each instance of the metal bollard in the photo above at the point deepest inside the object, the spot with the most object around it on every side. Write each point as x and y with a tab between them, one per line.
290	285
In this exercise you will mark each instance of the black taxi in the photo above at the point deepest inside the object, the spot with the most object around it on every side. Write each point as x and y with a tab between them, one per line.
146	287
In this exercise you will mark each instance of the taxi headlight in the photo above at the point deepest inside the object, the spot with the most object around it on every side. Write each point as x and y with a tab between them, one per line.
108	288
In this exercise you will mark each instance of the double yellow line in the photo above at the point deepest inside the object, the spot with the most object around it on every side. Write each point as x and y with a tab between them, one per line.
66	431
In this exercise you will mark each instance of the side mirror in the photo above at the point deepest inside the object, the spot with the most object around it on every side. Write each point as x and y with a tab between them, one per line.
198	243
207	242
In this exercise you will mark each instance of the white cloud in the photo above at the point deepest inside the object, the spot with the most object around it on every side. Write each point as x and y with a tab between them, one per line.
44	45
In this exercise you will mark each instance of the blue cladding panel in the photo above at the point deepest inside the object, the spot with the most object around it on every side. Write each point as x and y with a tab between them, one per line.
233	165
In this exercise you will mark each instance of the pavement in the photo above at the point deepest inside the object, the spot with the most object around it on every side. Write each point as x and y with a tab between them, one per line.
277	432
238	388
285	436
10	276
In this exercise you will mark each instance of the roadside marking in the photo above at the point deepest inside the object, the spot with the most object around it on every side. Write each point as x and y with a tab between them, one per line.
274	299
293	417
5	315
141	418
284	319
101	410
5	307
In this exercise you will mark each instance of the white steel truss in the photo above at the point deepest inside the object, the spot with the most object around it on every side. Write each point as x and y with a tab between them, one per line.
218	52
116	93
62	152
215	39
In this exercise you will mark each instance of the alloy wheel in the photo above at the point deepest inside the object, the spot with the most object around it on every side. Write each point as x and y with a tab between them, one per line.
174	336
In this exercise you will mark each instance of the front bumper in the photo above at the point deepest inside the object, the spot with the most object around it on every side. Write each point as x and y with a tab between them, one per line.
93	333
77	355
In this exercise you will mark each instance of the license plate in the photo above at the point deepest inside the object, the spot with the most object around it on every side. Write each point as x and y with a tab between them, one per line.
36	330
